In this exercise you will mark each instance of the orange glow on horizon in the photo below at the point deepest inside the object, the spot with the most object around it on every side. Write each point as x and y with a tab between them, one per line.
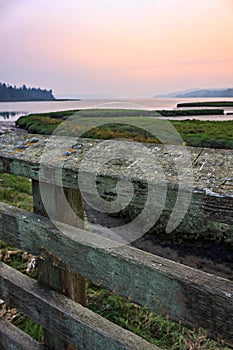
191	42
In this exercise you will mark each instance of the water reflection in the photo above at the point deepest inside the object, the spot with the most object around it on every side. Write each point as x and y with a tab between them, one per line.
11	116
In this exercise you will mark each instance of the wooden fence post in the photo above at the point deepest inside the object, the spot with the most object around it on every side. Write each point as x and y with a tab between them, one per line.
69	284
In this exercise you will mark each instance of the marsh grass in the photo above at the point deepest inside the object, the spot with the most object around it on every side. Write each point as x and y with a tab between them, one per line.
208	104
118	124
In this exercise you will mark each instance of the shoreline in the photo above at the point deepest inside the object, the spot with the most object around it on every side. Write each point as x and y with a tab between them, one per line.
56	100
9	127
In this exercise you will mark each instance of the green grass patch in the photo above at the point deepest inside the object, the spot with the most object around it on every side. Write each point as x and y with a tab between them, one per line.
112	113
191	112
156	329
206	104
16	190
197	133
28	326
213	134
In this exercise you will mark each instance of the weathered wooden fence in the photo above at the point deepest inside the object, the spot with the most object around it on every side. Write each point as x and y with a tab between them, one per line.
57	300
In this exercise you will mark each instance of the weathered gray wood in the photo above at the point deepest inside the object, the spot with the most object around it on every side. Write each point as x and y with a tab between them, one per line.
212	167
212	200
11	338
47	271
67	283
62	316
70	284
186	294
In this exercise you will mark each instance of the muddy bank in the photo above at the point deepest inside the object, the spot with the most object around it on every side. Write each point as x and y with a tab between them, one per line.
206	256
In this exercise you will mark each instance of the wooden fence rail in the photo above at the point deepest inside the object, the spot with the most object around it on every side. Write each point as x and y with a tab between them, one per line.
12	338
67	253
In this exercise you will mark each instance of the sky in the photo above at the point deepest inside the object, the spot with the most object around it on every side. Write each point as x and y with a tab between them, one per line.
124	48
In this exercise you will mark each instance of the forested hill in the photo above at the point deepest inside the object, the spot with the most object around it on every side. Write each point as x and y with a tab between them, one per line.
207	93
24	93
202	93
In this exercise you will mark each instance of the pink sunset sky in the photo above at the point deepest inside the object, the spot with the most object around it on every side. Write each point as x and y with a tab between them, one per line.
125	48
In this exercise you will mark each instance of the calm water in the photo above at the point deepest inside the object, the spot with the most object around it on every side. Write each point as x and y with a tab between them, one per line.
11	111
10	116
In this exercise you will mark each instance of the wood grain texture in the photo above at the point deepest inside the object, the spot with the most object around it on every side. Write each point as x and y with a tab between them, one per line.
63	317
210	213
212	168
185	294
11	338
70	284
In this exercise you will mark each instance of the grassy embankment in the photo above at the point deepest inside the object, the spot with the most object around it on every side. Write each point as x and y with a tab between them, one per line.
216	134
156	329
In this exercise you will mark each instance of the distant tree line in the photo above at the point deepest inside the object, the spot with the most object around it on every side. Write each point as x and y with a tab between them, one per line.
24	93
